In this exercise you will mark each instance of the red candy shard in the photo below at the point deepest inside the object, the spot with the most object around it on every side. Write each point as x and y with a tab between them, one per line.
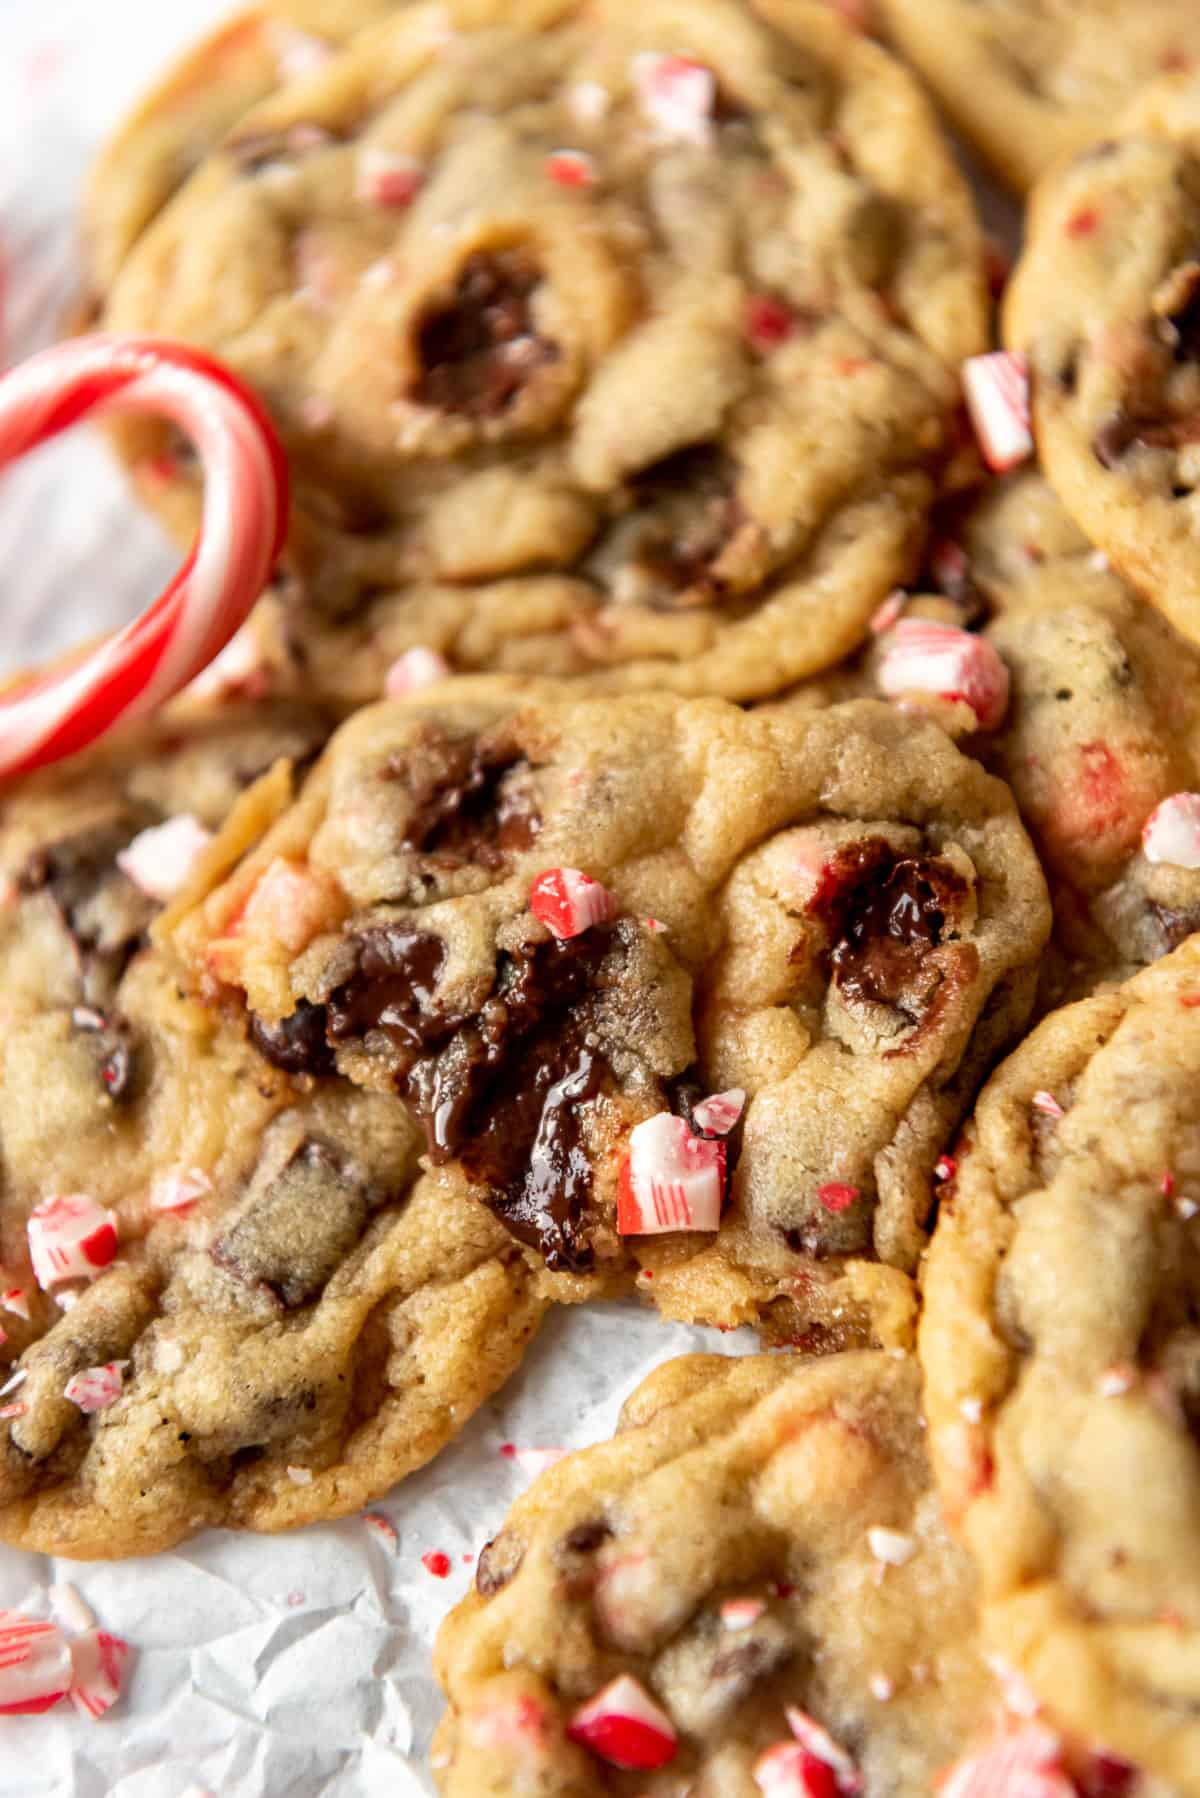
835	1195
789	1771
717	1115
939	659
885	616
671	1179
70	1238
387	177
996	389
945	1168
1026	1762
16	1301
416	668
571	168
35	1665
1172	831
677	94
624	1726
814	1737
435	1562
768	322
97	1663
1047	1104
568	902
95	1388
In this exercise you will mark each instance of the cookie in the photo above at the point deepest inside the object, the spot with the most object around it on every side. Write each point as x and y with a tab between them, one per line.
748	1589
227	1297
557	924
1030	81
187	113
620	341
1060	1352
1103	303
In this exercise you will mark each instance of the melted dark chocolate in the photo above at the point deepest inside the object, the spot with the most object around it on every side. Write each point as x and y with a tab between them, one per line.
297	1043
392	990
479	351
892	921
470	802
680	558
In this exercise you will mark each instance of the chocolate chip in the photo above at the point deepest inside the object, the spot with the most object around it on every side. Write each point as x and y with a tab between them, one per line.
479	351
586	1538
292	1234
296	1043
677	553
499	1561
393	990
895	915
471	800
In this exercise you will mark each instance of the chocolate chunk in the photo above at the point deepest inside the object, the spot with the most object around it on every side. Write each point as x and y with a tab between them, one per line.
293	1234
104	913
505	1087
677	555
297	1043
891	921
499	1561
471	801
586	1538
704	1676
1121	433
479	351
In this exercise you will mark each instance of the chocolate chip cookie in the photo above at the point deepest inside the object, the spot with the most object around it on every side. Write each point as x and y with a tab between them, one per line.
565	928
1104	304
618	340
1059	1344
226	1296
758	1546
1029	81
187	113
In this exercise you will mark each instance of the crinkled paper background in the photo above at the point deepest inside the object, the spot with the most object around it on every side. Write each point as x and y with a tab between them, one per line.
264	1667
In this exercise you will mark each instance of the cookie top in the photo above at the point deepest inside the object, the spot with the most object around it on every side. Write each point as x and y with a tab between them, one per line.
723	1550
554	922
619	340
224	1298
187	113
1104	305
1029	81
1059	1347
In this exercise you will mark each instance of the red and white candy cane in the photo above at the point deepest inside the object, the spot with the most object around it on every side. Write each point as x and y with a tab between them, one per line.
242	531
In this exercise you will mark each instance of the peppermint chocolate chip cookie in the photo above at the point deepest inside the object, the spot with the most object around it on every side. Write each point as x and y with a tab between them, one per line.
1029	81
187	113
1104	305
751	1580
227	1298
619	956
618	340
1060	1352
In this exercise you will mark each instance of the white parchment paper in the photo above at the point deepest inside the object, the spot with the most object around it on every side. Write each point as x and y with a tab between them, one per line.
263	1666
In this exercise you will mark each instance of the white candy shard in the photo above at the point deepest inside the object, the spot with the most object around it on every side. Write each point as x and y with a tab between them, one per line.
70	1238
718	1114
996	389
97	1663
890	1546
677	95
568	902
70	1609
671	1179
924	657
740	1613
95	1388
161	860
1172	831
35	1664
416	668
624	1726
817	1740
179	1189
1027	1762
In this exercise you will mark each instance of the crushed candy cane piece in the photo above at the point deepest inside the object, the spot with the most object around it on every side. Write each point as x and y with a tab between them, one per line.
35	1665
940	659
16	1301
300	1476
589	102
70	1609
15	1410
437	1563
885	616
179	1190
882	1688
1116	1381
971	1409
1047	1104
789	1771
740	1613
416	668
816	1738
161	860
1172	831
14	1381
836	1195
382	1527
677	94
717	1115
533	1460
671	1179
945	1168
1026	1763
625	1727
70	1238
996	389
95	1388
97	1663
768	322
890	1546
571	168
3	1334
568	902
289	902
387	177
949	566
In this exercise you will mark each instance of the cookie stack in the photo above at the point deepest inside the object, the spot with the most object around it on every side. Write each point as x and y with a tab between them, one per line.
686	746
